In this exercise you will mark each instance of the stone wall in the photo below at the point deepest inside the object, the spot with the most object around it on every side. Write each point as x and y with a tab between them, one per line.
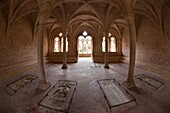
18	48
153	46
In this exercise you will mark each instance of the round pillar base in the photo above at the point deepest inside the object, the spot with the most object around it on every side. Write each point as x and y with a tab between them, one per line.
44	85
64	66
129	84
106	66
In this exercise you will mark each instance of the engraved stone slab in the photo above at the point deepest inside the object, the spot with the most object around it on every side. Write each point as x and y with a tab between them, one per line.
115	94
60	96
17	84
149	80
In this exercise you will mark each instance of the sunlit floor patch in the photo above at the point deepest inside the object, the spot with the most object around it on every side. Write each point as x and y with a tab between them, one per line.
114	93
19	83
150	81
60	96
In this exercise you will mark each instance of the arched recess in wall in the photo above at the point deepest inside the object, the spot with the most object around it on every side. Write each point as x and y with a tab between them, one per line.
56	42
149	38
114	44
145	10
16	33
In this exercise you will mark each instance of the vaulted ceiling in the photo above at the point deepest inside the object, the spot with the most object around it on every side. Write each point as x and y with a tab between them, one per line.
78	15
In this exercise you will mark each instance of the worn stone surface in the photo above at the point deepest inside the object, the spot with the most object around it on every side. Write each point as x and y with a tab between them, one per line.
88	97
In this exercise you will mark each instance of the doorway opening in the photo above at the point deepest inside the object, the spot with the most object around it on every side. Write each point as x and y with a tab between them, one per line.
85	45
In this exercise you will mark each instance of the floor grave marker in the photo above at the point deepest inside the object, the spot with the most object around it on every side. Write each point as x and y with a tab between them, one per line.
150	81
19	83
115	93
60	96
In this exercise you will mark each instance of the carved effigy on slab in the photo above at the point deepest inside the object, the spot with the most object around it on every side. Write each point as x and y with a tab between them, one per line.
95	65
150	81
19	83
114	93
60	96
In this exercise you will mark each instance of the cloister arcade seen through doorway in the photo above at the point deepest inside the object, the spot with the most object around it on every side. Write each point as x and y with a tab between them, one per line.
85	45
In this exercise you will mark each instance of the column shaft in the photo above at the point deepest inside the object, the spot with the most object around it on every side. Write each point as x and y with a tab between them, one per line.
132	33
106	51
64	52
40	55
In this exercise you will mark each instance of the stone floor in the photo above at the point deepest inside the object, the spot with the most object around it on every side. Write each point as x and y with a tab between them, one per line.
88	97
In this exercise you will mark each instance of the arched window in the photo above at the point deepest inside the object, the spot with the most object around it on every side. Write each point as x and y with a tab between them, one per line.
111	43
58	43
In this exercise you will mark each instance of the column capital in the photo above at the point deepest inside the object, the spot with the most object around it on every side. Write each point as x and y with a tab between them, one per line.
130	14
65	32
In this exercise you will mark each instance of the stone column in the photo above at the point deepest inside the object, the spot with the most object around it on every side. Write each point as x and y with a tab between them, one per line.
109	44
60	44
40	56
120	46
64	52
49	47
117	45
43	83
106	65
132	33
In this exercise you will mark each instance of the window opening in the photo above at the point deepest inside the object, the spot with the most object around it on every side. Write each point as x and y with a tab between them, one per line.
111	43
103	44
85	43
58	43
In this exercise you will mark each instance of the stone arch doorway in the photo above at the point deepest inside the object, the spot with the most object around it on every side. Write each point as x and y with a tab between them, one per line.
85	44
